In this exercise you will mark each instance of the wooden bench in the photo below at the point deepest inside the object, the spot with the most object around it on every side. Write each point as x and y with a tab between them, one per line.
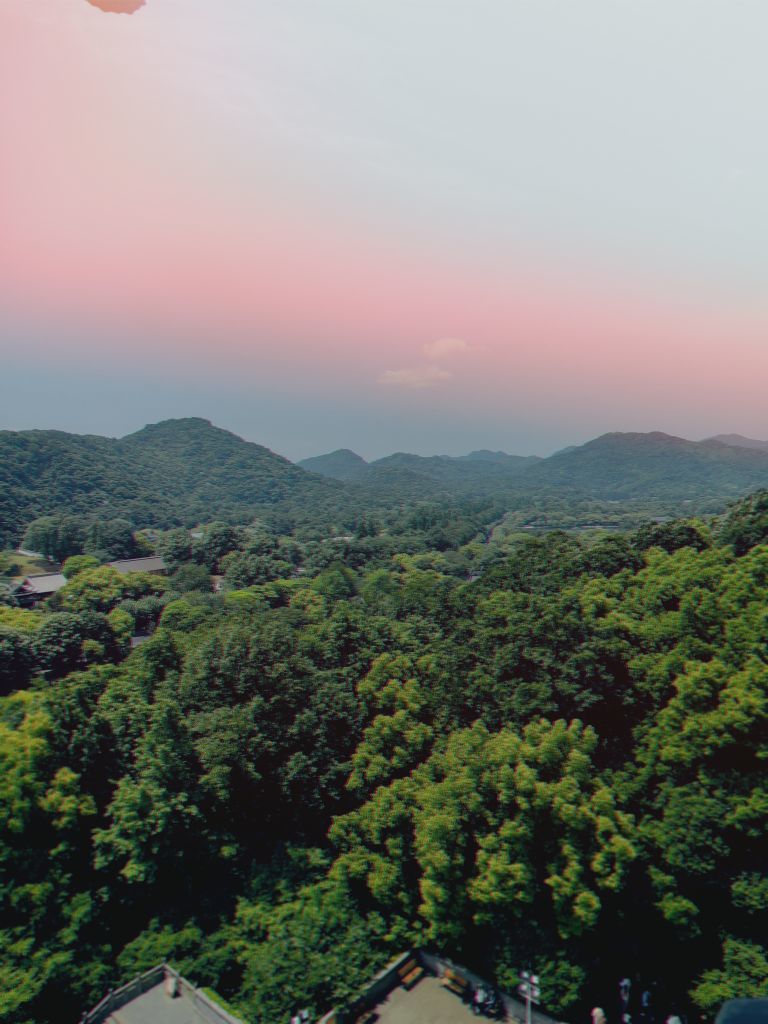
410	973
456	982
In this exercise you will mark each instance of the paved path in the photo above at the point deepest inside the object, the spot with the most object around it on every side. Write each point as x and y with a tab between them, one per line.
428	1002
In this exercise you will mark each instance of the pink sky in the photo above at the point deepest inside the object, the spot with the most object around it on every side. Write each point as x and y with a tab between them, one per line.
153	187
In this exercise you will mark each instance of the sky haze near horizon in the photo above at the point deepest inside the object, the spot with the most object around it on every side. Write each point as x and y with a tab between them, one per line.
425	226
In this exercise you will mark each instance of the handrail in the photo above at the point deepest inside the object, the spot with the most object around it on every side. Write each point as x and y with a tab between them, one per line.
387	979
205	1007
120	996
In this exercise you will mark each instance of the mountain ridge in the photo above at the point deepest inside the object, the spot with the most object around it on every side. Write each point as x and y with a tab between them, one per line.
342	464
739	441
620	465
176	472
183	471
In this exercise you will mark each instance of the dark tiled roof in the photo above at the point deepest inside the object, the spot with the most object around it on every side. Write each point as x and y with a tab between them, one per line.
47	583
153	563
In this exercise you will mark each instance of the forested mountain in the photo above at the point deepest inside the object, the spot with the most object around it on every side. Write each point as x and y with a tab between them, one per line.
557	762
739	441
618	466
172	473
216	469
339	465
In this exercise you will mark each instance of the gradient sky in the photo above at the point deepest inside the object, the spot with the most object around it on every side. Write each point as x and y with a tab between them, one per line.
423	225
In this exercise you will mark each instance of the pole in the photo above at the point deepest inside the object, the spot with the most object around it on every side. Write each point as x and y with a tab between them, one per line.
529	989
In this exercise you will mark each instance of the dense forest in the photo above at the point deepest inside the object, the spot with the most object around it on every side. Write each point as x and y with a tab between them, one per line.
420	726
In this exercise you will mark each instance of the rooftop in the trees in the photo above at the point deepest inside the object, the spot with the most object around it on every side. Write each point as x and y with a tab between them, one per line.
152	563
35	588
161	996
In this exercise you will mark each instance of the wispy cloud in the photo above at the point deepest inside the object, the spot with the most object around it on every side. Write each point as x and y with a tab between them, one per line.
431	374
415	378
443	347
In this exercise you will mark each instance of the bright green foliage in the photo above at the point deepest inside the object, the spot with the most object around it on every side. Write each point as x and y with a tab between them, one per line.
104	588
494	824
121	624
153	820
23	748
78	563
558	763
561	979
744	975
705	761
313	950
163	944
251	599
398	737
183	616
43	812
20	620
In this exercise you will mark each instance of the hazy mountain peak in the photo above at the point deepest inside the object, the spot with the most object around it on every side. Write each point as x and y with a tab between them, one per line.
738	441
343	464
648	437
182	425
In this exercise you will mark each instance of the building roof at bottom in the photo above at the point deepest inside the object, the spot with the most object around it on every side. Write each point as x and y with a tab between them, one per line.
428	1002
156	1007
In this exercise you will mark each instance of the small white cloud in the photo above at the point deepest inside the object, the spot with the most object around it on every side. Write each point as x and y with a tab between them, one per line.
415	378
446	347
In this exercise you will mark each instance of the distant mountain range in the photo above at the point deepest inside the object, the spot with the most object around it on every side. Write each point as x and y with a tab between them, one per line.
187	471
479	471
614	466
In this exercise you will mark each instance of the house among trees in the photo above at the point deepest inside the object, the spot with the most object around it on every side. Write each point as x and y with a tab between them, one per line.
153	564
33	589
